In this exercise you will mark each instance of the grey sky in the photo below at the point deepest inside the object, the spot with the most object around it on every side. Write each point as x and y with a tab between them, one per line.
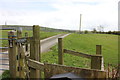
62	14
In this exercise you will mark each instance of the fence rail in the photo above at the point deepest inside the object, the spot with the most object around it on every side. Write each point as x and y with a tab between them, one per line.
80	54
4	58
3	47
3	38
3	69
7	29
35	64
77	53
4	64
3	53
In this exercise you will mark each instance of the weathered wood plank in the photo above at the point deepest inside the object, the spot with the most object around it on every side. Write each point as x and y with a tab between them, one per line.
36	39
60	51
32	56
99	52
12	54
77	53
53	69
26	46
35	51
96	62
21	55
35	64
98	49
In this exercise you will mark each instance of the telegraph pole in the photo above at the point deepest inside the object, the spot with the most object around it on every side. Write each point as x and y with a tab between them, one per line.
5	23
80	23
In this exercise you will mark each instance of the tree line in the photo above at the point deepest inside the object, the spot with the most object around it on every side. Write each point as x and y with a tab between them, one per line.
103	32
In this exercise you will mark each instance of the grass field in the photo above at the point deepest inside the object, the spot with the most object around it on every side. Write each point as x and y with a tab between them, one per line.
42	35
86	43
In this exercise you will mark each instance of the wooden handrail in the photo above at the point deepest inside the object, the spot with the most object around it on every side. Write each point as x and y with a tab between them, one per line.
80	54
36	64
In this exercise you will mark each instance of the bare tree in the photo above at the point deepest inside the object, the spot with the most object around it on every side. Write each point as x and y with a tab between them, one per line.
101	28
94	30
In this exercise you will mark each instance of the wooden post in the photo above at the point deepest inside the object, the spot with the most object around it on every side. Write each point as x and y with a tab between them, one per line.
12	54
19	33
21	55
35	51
26	46
98	50
108	70
97	61
60	51
32	56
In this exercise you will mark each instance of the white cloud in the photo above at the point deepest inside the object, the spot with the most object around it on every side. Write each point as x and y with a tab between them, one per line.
66	15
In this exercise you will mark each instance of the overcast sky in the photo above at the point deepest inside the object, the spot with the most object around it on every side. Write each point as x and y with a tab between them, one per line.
62	14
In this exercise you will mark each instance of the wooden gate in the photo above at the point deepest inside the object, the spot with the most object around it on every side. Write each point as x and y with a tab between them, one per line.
25	59
4	61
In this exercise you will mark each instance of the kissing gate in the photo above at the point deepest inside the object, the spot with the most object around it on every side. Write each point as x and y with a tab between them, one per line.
25	58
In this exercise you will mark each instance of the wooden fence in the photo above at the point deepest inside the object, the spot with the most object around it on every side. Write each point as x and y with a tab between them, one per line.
96	60
25	64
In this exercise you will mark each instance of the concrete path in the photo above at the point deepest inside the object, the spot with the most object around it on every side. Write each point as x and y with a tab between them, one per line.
46	44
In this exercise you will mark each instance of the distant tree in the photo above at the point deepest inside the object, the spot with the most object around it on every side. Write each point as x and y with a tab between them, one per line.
109	32
85	31
94	30
101	28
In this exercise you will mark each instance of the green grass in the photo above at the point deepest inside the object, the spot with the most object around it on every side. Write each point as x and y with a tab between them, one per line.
5	75
86	43
43	35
